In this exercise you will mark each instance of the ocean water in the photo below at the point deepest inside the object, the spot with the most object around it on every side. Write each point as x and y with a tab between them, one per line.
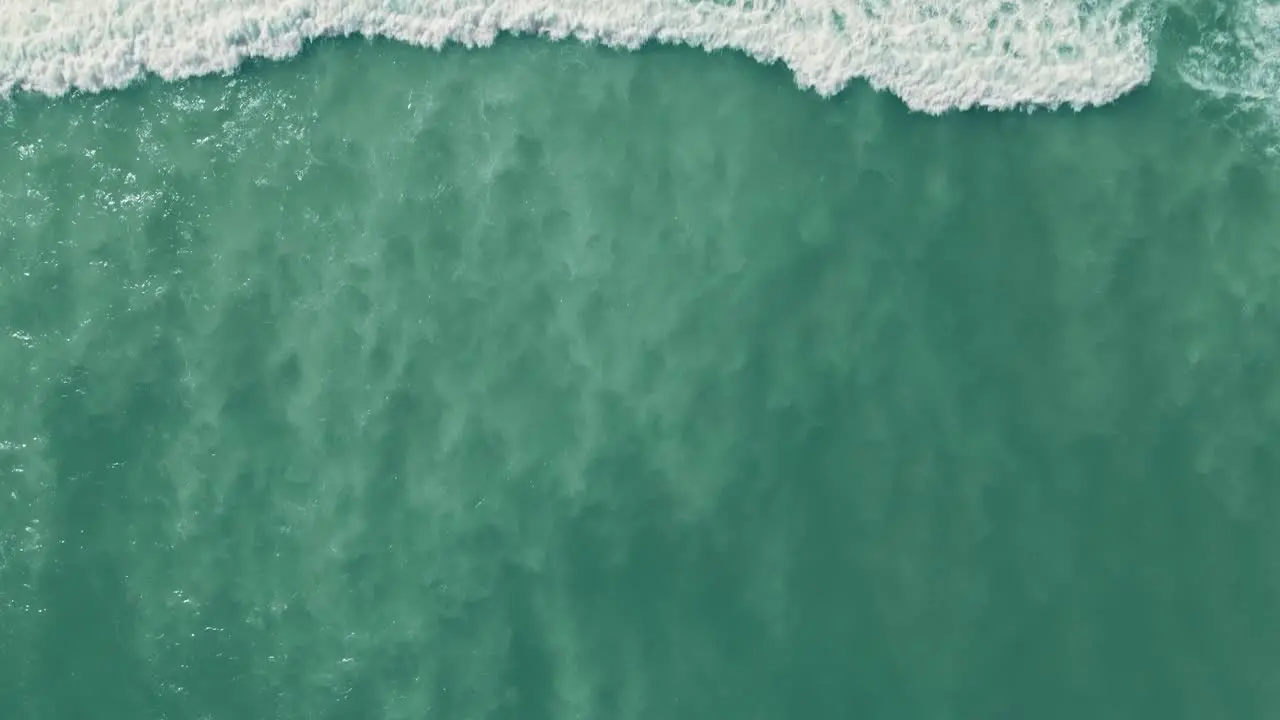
564	359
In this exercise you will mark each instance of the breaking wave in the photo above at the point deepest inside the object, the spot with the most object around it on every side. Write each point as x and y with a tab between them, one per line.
935	56
997	54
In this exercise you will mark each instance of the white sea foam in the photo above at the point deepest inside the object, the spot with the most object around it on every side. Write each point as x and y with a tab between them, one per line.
936	57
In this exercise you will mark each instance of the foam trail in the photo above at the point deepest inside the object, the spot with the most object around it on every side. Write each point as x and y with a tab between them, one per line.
997	54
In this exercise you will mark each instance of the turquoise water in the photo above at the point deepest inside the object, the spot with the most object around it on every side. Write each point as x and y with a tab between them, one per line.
548	381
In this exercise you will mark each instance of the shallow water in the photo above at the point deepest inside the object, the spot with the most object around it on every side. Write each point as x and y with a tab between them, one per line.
551	381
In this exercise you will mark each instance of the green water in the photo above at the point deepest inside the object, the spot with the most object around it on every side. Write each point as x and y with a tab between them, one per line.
551	382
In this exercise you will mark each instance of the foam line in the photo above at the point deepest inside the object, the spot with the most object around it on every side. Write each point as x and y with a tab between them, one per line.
997	54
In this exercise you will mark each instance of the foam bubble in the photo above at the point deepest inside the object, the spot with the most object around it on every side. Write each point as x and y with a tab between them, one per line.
997	54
